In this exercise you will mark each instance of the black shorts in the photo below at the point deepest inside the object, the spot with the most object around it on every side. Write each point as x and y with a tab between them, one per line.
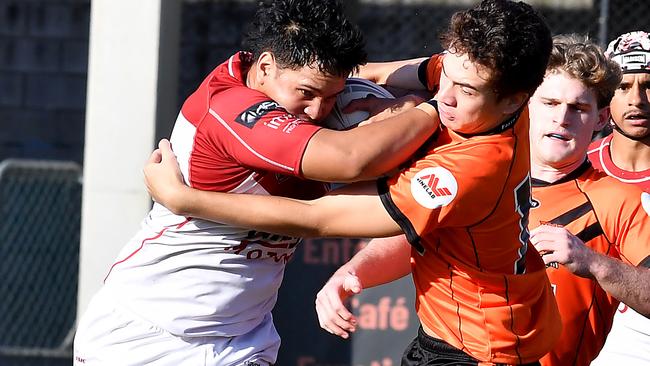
428	351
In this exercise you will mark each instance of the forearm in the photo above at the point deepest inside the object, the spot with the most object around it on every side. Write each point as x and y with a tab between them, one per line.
352	211
402	74
369	151
385	153
383	260
628	284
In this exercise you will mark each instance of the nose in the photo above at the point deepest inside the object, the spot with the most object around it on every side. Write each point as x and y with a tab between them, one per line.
637	95
561	114
445	94
316	109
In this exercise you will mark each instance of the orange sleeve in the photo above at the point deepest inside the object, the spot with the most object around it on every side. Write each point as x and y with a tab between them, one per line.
453	189
433	71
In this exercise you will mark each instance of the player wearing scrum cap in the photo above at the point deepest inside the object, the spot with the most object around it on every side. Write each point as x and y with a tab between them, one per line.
625	155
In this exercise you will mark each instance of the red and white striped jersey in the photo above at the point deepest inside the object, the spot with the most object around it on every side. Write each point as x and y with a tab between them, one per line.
601	158
193	277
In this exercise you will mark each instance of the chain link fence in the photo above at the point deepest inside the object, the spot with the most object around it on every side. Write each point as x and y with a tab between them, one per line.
394	29
40	204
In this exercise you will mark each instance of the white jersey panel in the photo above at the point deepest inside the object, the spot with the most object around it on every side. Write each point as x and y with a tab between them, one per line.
628	343
183	131
218	280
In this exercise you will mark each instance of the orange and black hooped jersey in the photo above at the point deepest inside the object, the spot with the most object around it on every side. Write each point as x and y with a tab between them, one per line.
464	207
609	217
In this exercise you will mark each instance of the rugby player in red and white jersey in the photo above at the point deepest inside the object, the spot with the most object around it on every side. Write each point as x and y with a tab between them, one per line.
191	291
625	155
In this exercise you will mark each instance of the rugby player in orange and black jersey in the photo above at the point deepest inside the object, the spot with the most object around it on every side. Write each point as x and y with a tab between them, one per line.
591	229
609	217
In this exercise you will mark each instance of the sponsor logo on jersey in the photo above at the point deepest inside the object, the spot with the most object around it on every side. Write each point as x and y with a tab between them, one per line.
645	202
434	187
252	114
290	126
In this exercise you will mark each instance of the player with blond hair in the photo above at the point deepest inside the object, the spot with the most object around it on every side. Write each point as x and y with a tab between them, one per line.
592	225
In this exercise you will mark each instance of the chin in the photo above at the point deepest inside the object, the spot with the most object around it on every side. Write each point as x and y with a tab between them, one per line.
637	133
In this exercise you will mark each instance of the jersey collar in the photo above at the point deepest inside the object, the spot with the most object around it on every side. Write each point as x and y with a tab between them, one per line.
569	177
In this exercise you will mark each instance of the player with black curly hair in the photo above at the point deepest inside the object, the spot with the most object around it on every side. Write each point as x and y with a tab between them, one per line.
195	292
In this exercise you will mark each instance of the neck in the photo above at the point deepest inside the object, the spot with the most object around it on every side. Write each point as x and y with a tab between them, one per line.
628	154
549	173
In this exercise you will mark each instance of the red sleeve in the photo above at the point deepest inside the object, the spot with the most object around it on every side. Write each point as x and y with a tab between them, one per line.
256	132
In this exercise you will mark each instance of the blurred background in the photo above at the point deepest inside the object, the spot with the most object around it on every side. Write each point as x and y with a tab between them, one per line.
86	90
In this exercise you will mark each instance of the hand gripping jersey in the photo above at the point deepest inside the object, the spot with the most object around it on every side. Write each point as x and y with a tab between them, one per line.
198	278
601	159
464	207
607	216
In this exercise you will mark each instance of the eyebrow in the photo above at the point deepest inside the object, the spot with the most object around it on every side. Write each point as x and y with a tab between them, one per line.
574	103
644	83
319	91
456	82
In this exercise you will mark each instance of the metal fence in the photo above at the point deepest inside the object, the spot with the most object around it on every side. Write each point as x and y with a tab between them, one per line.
394	29
40	204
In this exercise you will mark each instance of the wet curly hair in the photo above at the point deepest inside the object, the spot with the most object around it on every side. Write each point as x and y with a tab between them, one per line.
302	33
508	38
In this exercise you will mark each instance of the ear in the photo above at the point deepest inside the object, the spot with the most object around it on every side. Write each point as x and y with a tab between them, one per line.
264	67
513	102
603	118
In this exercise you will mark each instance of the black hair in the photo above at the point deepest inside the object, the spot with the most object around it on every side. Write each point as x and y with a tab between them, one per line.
509	38
302	33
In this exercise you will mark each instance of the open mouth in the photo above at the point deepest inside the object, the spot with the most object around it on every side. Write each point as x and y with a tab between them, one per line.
557	136
636	116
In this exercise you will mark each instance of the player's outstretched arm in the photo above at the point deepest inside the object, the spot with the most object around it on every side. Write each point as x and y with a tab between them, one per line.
353	211
392	255
368	151
628	284
401	74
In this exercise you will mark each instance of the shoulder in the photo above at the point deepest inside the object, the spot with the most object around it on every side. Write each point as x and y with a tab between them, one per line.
597	152
432	71
600	188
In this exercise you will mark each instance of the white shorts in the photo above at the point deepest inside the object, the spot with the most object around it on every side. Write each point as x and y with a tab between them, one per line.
110	335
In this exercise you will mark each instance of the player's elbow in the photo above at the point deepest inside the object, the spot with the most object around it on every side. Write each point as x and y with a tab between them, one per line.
356	166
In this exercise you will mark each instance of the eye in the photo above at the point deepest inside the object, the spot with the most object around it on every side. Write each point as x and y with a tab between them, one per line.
307	94
466	91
